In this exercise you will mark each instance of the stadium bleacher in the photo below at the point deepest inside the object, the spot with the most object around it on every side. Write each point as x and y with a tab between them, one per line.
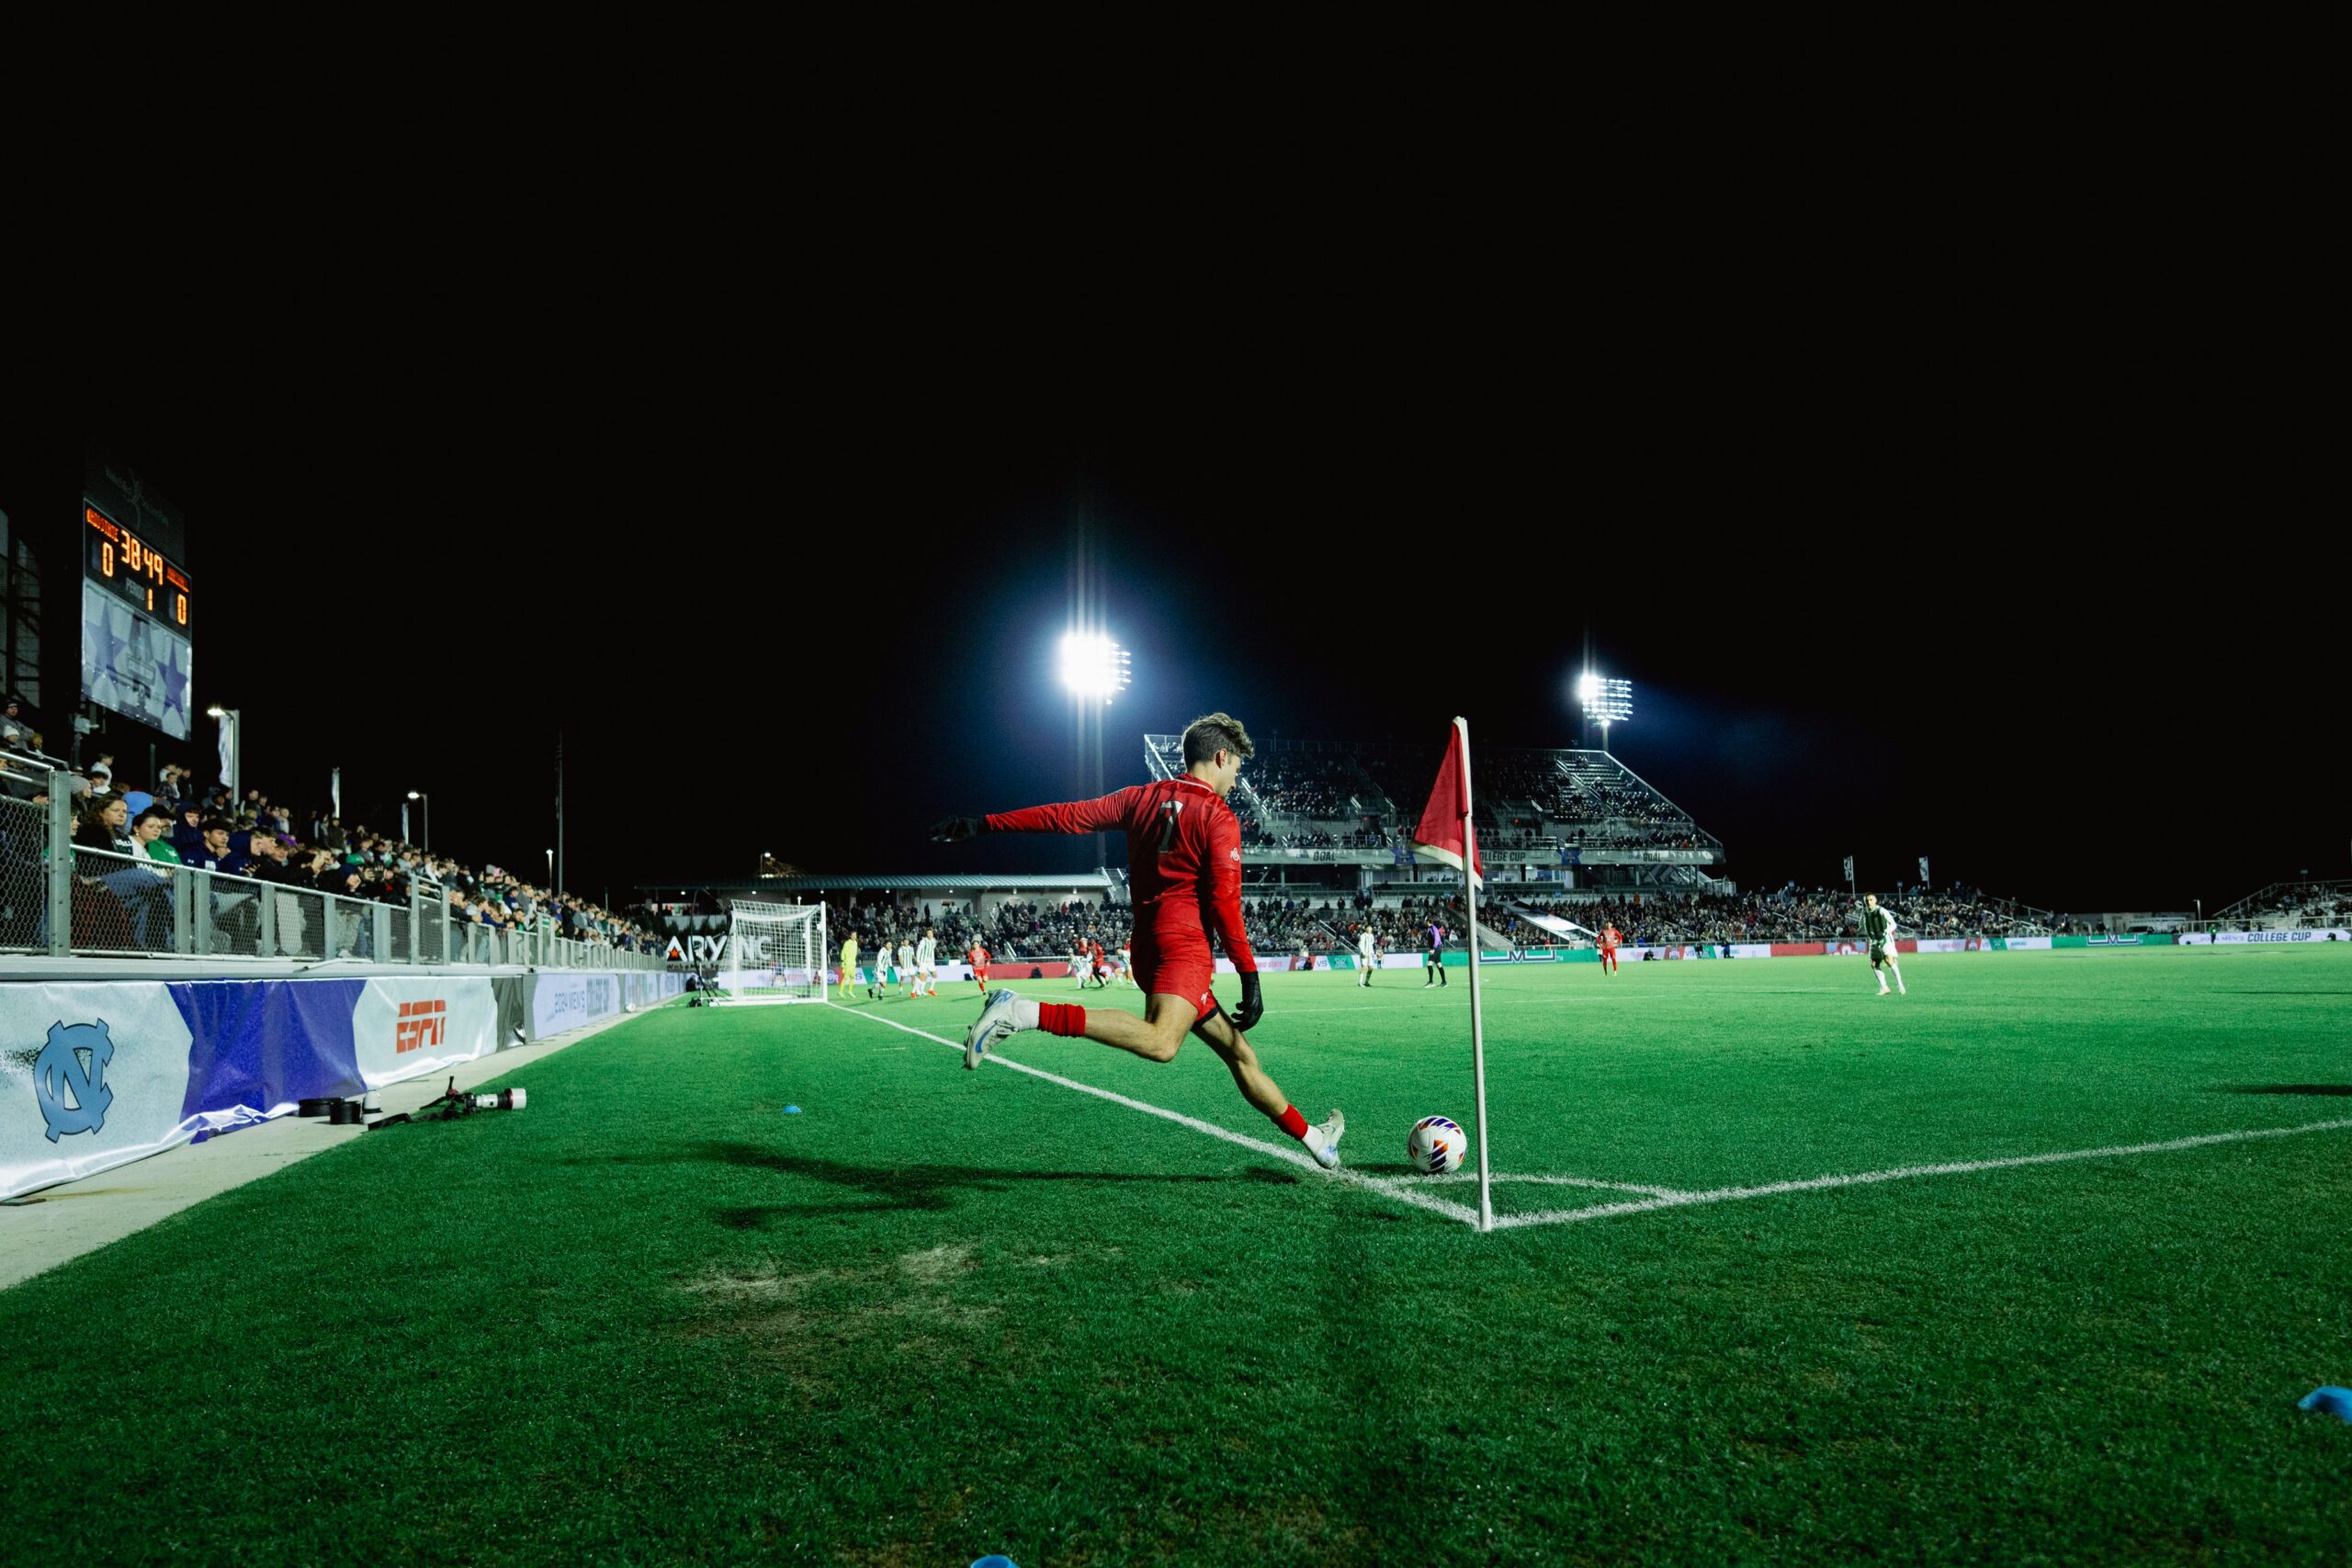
2292	906
1344	797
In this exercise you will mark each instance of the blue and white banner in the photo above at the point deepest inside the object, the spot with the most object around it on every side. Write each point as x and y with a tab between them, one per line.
2233	938
96	1075
562	1000
91	1076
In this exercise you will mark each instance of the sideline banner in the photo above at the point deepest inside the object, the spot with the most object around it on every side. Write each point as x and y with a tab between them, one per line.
91	1078
2206	939
259	1046
401	1029
96	1076
562	1000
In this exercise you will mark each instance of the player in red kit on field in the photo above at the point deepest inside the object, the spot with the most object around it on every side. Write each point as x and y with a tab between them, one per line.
1185	874
979	959
1609	940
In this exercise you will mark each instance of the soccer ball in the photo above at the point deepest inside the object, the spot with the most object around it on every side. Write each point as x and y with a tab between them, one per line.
1436	1146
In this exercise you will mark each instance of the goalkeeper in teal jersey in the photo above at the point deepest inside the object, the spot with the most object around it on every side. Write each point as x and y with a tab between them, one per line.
1878	925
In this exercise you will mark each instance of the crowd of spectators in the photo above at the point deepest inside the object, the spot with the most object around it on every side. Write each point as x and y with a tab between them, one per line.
1319	785
1027	932
177	821
1296	797
1792	914
2291	904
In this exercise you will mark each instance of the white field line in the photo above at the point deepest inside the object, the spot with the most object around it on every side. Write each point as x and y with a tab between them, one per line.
1462	1211
1500	1177
1487	1001
1903	1173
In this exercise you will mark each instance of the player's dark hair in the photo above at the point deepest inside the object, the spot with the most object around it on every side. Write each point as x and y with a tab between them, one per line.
1212	733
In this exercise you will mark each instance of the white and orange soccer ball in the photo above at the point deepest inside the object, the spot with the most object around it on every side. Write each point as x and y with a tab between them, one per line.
1436	1146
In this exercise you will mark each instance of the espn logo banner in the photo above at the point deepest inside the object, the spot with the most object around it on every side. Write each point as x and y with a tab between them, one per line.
421	1025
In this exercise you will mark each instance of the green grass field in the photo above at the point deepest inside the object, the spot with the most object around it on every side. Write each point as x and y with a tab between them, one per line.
938	1314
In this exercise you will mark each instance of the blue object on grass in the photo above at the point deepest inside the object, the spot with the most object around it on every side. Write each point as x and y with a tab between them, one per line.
792	1111
994	1560
2334	1401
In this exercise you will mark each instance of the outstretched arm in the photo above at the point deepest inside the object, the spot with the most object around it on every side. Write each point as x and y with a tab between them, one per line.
1107	814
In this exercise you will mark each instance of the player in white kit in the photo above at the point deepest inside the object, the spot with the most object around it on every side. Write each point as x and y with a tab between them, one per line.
1878	925
1367	957
926	977
906	969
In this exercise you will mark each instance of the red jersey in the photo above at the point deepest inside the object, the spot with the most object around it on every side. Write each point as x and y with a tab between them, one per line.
1609	936
978	957
1184	856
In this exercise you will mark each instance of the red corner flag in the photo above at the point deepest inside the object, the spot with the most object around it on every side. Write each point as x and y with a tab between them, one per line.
1446	830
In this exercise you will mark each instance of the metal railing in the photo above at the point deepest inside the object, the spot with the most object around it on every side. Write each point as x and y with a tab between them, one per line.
65	900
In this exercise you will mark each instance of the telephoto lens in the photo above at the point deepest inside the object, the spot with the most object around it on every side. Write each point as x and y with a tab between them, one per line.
505	1099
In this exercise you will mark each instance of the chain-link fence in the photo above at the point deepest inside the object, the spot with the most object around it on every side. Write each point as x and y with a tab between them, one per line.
24	875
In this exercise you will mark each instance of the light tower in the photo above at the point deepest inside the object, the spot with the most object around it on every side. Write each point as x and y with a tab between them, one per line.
1605	700
1094	670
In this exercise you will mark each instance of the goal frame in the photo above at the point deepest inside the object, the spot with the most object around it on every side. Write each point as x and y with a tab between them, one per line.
809	922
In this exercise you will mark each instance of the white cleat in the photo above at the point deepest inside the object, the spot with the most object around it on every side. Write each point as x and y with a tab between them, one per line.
1324	1143
993	1024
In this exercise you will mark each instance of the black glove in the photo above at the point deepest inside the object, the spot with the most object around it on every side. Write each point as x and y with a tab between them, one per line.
1253	1003
954	830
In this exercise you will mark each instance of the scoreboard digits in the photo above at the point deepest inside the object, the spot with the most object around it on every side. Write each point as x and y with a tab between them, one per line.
120	561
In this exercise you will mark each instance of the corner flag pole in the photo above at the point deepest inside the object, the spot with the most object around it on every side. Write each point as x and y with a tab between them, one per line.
1478	1017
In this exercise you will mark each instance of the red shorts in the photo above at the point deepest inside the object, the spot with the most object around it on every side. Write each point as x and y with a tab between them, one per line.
981	975
1177	968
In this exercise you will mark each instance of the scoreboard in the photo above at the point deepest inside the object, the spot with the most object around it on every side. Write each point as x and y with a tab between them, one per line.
135	619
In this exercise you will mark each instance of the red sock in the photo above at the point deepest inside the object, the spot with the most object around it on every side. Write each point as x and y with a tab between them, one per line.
1291	1122
1062	1018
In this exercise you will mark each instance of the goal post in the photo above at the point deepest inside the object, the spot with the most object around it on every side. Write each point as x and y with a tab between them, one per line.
775	953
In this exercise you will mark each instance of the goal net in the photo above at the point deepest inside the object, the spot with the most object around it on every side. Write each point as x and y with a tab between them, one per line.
775	953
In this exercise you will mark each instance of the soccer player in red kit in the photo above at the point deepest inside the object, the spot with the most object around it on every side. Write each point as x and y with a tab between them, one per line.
1185	874
979	959
1609	940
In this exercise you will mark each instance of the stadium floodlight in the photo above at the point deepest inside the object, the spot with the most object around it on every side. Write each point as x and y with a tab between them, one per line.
1094	666
426	796
1604	699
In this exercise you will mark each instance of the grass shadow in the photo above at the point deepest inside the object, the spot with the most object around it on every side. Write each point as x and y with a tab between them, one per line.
892	1188
2334	1089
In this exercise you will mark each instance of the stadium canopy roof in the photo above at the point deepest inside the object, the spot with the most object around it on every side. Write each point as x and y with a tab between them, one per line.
1025	883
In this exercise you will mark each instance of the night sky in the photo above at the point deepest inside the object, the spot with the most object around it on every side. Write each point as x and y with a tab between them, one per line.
2062	624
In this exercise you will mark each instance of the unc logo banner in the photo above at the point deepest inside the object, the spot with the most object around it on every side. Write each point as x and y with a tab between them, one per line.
91	1076
70	1077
